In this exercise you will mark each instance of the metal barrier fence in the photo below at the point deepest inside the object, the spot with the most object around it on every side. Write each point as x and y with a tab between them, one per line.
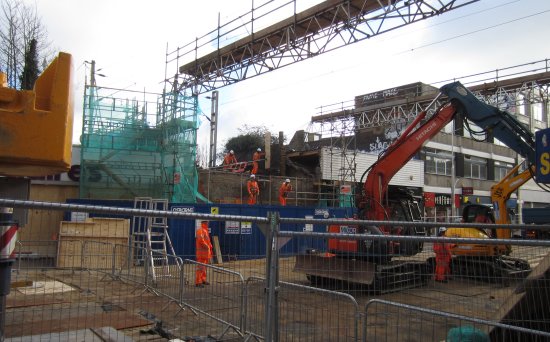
443	326
292	289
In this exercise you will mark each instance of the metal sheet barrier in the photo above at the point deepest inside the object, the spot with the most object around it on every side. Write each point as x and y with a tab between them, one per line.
290	287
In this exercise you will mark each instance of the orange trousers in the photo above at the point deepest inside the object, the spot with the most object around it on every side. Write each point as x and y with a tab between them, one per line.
442	268
200	272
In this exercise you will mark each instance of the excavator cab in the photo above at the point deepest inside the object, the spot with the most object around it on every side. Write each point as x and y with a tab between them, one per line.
476	213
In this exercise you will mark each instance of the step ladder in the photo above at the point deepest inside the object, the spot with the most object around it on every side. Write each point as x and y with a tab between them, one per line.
152	241
140	226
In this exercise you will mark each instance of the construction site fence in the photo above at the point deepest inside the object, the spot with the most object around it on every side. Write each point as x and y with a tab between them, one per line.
430	319
262	297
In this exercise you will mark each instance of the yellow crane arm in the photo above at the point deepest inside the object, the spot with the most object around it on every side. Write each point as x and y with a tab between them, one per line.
36	127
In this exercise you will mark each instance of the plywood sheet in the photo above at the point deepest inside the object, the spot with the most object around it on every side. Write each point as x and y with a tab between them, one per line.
45	287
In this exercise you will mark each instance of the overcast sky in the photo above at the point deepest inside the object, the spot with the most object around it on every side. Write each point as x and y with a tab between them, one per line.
128	40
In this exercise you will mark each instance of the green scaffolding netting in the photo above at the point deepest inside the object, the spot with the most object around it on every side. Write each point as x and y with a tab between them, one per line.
137	144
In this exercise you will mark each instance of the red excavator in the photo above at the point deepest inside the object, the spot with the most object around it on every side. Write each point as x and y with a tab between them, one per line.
379	264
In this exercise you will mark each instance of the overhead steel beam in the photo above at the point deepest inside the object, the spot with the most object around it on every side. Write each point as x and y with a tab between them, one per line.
322	28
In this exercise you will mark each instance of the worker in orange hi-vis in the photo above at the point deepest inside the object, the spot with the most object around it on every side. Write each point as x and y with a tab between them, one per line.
203	250
229	161
285	188
253	190
443	258
255	158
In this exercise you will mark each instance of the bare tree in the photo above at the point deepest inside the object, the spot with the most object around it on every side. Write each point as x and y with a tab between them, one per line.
30	70
19	26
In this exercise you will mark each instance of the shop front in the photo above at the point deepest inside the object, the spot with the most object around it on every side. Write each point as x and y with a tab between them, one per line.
438	206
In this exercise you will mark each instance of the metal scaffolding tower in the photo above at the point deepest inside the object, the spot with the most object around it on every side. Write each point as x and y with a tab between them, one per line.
138	144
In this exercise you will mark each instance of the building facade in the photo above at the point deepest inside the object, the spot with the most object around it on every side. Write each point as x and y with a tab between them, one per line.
456	167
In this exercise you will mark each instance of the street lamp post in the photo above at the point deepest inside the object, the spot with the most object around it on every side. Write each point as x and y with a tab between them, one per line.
453	196
213	128
454	180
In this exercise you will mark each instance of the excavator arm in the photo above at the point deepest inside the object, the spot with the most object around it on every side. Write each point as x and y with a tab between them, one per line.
503	125
397	155
506	128
501	192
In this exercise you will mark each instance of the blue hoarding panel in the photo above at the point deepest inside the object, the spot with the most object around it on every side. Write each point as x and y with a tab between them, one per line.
238	240
542	151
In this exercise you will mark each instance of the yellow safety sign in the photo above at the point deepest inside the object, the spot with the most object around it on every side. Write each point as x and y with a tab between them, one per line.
214	210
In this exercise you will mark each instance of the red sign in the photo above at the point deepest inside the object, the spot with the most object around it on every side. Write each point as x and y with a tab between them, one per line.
429	199
467	190
345	189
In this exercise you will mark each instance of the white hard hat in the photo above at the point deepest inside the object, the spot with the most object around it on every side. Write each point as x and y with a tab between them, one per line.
259	149
287	180
252	176
442	230
231	152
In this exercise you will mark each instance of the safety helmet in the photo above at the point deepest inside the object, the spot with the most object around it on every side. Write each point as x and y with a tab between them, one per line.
259	149
231	152
252	176
287	180
442	230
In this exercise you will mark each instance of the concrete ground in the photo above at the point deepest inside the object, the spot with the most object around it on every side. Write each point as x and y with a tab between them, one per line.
49	301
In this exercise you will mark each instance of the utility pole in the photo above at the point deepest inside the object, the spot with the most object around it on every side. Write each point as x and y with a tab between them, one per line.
213	129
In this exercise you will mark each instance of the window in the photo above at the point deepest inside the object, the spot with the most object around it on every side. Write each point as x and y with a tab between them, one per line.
475	132
502	169
438	162
475	167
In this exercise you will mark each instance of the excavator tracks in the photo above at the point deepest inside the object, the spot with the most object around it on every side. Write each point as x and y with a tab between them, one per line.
331	271
494	269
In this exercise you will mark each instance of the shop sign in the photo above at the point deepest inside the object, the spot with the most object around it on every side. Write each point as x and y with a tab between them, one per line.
443	199
467	190
542	151
429	199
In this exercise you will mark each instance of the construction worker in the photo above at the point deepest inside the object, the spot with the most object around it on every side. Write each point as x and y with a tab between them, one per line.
203	253
253	190
255	158
443	257
285	188
229	161
485	218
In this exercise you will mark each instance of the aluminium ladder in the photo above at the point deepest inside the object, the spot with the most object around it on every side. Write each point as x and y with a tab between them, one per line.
151	242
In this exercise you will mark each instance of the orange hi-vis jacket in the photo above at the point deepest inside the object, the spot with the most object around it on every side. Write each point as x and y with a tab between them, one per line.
285	189
443	258
255	157
202	244
229	160
253	188
253	191
283	192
